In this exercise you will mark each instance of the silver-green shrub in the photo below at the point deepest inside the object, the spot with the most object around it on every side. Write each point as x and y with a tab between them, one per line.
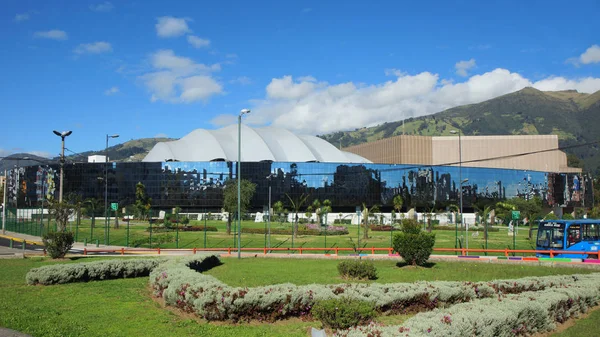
212	299
90	271
505	314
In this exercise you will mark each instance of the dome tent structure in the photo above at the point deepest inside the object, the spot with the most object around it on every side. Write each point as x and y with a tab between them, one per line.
258	144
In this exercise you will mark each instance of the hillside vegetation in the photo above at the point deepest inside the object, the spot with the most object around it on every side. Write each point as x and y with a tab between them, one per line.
571	115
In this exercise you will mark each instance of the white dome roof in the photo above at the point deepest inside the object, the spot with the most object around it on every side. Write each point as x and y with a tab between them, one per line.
258	144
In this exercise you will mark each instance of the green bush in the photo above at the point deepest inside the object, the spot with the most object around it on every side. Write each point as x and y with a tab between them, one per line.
412	244
343	313
58	243
357	269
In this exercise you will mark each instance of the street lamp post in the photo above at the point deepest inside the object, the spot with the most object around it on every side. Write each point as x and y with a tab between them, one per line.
270	176
62	136
106	188
460	179
239	181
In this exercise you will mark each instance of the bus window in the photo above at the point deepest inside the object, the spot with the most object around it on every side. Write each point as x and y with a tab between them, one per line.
550	236
574	235
591	232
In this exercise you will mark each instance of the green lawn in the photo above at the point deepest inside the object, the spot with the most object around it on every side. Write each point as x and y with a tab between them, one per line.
125	308
140	236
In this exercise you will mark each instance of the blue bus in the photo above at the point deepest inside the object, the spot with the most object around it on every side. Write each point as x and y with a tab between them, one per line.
582	235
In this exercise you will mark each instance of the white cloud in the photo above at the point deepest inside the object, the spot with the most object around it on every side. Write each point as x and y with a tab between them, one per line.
178	79
196	88
462	67
198	42
223	120
43	154
243	80
169	26
320	107
393	72
21	17
161	135
103	7
591	55
54	34
93	48
111	91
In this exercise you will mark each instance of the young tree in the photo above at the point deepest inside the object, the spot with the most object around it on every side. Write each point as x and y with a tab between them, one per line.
75	200
143	203
58	243
60	211
366	211
398	202
529	209
320	209
414	245
92	206
296	205
278	209
230	199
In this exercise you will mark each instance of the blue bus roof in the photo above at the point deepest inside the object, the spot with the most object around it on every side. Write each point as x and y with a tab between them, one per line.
574	221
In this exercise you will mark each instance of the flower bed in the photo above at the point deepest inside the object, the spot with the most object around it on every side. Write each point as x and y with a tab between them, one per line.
182	229
289	231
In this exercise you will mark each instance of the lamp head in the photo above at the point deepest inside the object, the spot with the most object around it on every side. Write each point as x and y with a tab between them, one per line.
453	132
113	136
244	111
62	134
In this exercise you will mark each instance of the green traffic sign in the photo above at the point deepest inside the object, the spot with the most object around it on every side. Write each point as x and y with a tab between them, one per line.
114	206
516	215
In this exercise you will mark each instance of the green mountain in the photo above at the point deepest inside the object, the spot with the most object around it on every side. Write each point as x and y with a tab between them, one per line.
571	115
130	151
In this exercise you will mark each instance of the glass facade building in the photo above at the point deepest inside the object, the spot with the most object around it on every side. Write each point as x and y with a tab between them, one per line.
198	186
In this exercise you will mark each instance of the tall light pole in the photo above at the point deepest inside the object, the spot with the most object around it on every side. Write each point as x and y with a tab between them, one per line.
460	179
269	177
106	188
62	136
4	204
239	181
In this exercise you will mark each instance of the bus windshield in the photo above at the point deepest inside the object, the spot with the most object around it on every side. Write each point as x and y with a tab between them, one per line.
551	235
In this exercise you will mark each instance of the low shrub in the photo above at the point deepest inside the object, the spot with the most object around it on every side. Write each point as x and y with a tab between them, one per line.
58	244
342	221
211	299
90	271
182	229
413	245
278	231
343	313
451	227
523	314
357	269
382	228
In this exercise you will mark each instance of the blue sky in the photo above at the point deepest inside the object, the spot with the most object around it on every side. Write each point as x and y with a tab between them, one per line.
154	68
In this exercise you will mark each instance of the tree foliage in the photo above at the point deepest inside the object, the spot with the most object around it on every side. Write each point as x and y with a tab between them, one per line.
143	203
296	204
60	211
530	209
320	209
230	198
413	245
92	207
366	211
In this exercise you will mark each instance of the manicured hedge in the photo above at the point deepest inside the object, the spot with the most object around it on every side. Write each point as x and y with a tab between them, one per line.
521	314
211	299
90	271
